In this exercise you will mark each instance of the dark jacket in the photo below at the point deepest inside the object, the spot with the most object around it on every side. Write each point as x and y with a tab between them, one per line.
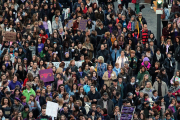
101	31
117	102
105	54
109	103
161	60
131	88
175	8
79	76
92	96
167	66
167	100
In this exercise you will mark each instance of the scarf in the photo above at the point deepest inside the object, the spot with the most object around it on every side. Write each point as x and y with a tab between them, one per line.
109	73
94	78
33	50
37	98
110	29
167	46
158	56
132	83
81	73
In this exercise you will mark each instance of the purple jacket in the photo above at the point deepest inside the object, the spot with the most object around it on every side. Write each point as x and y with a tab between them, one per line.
172	108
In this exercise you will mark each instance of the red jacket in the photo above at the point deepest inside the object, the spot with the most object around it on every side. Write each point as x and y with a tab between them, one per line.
43	39
25	81
178	91
75	26
158	108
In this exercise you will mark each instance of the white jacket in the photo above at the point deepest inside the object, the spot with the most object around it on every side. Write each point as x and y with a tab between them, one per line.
119	60
49	27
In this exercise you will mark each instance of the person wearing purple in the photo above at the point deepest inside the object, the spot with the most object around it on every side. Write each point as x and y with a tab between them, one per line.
40	45
14	82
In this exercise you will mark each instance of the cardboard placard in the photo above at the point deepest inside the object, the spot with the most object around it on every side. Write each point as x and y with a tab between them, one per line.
82	24
10	36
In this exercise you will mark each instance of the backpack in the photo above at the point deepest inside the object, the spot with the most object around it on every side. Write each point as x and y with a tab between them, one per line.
163	15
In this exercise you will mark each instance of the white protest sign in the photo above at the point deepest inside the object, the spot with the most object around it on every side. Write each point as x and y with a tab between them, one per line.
56	64
51	109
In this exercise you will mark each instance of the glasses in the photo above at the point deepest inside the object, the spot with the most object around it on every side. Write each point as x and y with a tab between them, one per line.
140	15
38	92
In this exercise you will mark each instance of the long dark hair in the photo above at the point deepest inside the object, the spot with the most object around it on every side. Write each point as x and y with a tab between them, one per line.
113	46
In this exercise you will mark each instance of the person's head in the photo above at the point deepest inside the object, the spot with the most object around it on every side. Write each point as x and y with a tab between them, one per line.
43	110
169	55
148	85
176	84
105	96
101	59
109	67
102	47
145	27
155	93
133	79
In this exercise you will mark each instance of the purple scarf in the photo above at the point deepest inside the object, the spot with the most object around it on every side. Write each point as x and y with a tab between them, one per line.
110	29
37	98
109	73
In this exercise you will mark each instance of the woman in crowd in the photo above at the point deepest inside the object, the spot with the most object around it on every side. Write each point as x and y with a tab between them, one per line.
109	76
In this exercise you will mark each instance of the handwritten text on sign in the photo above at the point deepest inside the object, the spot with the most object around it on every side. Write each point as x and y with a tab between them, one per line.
10	36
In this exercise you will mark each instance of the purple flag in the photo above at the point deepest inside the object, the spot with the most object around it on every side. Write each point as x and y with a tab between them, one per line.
46	75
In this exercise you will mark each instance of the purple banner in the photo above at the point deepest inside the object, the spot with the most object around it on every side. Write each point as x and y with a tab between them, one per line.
46	75
82	24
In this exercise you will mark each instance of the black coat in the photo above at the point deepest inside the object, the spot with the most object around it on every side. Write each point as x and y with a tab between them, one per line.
153	73
79	76
105	54
92	96
167	66
131	88
101	31
161	60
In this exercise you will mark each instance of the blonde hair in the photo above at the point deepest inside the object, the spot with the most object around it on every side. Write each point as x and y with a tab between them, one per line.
150	84
101	58
169	40
6	55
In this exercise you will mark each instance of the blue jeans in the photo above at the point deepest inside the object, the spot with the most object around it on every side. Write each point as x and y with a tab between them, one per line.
47	32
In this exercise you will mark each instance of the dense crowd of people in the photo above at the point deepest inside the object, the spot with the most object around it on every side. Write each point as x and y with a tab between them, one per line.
122	63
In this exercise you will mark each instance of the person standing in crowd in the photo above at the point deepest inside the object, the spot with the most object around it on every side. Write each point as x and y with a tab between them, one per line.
109	76
144	34
169	65
106	102
160	86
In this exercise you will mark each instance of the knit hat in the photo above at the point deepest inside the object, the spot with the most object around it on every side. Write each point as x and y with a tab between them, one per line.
145	59
29	84
17	99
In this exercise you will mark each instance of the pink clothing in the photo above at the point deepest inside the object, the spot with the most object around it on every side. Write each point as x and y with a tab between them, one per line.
59	82
147	66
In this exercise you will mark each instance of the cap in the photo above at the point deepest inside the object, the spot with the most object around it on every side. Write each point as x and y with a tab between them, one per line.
98	106
17	99
105	93
8	92
170	90
126	62
115	80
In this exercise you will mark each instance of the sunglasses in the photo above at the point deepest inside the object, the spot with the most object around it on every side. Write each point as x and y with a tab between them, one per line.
140	15
38	92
